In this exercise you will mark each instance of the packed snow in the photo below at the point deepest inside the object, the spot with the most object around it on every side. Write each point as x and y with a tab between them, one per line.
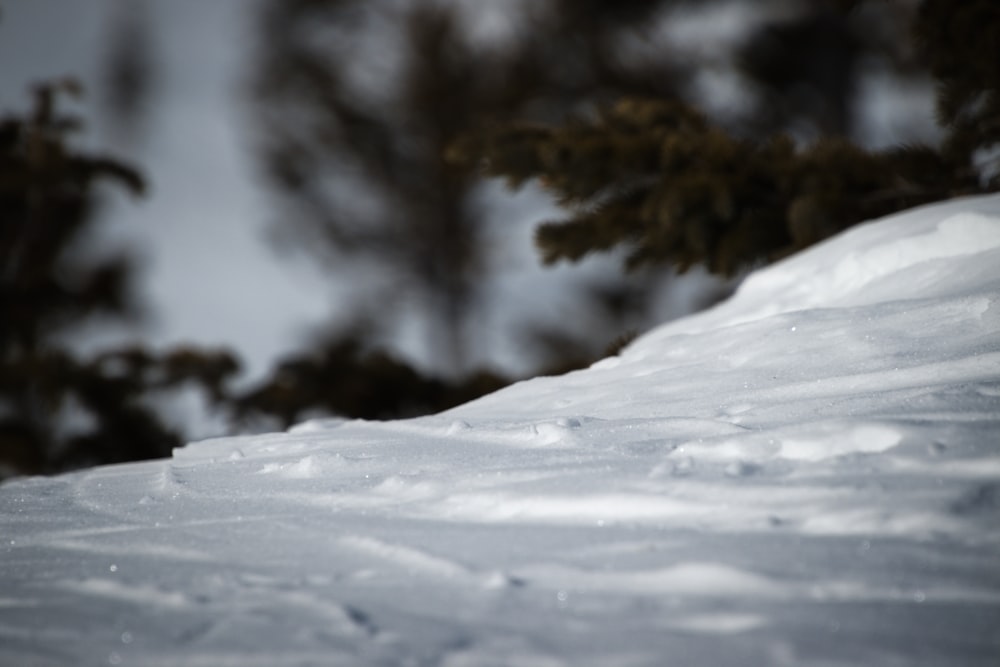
807	474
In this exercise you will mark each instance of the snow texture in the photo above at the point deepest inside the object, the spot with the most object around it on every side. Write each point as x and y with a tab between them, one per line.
807	474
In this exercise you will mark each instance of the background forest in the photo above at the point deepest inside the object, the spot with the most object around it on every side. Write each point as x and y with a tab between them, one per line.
652	138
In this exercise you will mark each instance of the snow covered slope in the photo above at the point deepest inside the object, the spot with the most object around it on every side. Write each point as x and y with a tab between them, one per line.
808	474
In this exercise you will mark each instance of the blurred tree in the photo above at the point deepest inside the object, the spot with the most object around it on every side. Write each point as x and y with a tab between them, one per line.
806	66
674	186
342	377
961	43
358	103
375	116
58	411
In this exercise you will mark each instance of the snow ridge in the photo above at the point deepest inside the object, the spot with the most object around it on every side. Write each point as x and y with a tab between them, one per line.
807	474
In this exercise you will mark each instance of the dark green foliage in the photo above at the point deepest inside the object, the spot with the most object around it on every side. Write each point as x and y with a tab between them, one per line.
58	411
46	202
342	378
620	343
109	399
961	41
677	188
807	68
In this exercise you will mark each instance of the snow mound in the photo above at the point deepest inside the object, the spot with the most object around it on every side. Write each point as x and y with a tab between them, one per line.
807	474
917	253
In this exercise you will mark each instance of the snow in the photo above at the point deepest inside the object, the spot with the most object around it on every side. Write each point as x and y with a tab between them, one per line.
807	474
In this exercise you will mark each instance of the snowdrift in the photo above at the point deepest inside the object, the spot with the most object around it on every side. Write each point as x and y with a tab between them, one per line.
807	474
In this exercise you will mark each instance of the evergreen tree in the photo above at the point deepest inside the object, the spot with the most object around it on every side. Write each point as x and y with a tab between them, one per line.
961	42
344	377
674	186
58	410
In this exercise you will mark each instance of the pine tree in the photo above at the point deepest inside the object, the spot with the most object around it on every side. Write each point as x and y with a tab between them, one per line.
962	46
59	410
673	186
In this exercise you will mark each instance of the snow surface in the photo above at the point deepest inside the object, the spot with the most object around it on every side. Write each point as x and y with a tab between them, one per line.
807	474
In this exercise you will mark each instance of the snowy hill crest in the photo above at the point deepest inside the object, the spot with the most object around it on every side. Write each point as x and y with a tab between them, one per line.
806	474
